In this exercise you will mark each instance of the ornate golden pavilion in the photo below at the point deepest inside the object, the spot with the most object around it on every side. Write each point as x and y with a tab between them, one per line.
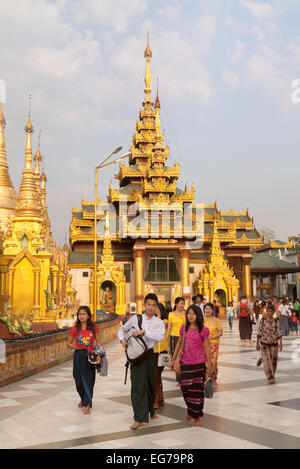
33	270
157	258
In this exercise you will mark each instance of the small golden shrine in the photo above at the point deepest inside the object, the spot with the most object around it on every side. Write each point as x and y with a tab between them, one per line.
217	280
110	288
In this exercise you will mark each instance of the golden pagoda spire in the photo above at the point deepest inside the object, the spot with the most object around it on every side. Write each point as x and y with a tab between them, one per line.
107	255
8	195
4	175
38	158
148	55
157	117
216	251
28	203
157	102
47	223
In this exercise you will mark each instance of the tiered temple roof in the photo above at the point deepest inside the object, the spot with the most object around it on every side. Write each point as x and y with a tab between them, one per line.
148	180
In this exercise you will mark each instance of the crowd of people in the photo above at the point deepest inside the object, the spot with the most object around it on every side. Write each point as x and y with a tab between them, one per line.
190	340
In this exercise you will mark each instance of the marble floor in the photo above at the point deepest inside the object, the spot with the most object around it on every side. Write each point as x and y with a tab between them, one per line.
245	412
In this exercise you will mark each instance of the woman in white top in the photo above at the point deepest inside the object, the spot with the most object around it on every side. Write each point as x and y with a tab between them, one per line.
230	313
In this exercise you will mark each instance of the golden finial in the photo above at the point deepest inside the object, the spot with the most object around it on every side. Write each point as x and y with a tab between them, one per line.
38	157
157	102
148	55
29	126
148	51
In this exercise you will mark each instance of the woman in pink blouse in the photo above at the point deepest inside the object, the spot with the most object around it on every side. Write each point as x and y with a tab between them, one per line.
195	355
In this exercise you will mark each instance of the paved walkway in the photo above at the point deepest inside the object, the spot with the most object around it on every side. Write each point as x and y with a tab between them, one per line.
246	411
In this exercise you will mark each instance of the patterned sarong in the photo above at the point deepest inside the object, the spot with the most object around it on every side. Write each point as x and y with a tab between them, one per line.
143	388
214	355
192	388
269	355
159	399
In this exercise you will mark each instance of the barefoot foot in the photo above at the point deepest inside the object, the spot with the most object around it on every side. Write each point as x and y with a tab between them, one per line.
197	424
87	410
154	417
136	425
188	418
80	405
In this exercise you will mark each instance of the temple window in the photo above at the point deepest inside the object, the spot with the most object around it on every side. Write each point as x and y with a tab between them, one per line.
162	269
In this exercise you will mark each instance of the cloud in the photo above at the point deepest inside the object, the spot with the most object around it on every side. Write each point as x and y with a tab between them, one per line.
111	14
170	12
260	10
273	80
230	78
239	51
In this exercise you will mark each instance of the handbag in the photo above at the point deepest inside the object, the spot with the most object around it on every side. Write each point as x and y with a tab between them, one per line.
259	359
176	363
209	389
164	358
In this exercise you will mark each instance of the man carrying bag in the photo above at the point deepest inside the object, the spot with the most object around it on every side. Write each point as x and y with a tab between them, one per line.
143	375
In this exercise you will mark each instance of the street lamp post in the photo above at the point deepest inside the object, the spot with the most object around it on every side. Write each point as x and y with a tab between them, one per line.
101	165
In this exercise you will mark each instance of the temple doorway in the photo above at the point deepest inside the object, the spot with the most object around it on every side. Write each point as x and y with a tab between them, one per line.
164	294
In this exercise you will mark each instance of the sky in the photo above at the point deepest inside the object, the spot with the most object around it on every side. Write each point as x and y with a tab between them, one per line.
225	72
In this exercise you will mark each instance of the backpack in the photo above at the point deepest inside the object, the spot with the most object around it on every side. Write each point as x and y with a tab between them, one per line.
244	310
136	347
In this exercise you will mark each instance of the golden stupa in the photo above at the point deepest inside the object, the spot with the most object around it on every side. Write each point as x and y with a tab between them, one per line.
8	196
33	270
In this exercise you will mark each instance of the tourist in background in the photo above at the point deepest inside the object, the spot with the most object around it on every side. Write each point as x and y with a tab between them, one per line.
215	309
283	311
198	302
230	313
196	354
175	320
296	307
169	310
294	323
243	310
215	332
256	309
161	347
268	335
81	339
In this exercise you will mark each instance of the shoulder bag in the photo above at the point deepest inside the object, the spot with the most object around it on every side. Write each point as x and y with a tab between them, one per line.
176	364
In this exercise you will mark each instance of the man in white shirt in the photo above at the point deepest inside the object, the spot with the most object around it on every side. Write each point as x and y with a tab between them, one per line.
143	389
283	311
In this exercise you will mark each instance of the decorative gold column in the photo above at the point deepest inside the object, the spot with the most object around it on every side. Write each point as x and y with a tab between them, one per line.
55	274
97	293
11	274
139	279
37	297
254	287
247	276
3	281
91	286
185	273
61	287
